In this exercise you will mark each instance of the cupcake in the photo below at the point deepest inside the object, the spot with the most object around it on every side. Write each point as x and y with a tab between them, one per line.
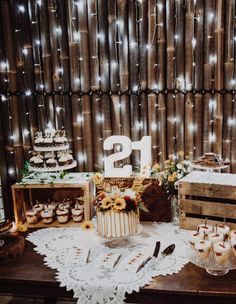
62	161
32	160
59	140
215	237
70	159
64	205
233	234
48	155
31	216
77	213
195	236
62	215
51	163
203	248
222	252
38	162
47	216
233	244
50	132
205	228
48	141
38	207
51	206
39	142
224	229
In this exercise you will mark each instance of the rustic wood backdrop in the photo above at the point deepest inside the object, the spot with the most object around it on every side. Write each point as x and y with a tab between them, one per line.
97	68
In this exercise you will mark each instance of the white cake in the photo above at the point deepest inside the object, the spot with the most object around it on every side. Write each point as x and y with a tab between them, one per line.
117	223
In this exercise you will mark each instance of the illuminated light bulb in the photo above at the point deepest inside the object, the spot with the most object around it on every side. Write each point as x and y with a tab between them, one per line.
12	137
58	109
160	6
58	30
135	88
231	122
81	58
192	127
37	42
25	51
139	124
140	20
12	152
133	43
212	104
233	81
176	36
41	86
3	65
26	132
194	63
81	157
80	119
212	137
79	138
79	4
148	46
100	138
60	70
49	125
194	42
3	98
210	16
155	86
212	59
98	78
77	80
11	171
234	38
27	113
28	93
39	2
101	37
33	22
21	8
153	126
99	118
117	22
119	42
114	64
94	57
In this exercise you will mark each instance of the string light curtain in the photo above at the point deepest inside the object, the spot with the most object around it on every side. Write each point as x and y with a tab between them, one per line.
97	68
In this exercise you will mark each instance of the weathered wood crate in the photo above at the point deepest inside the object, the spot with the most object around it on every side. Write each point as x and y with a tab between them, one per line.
207	195
24	194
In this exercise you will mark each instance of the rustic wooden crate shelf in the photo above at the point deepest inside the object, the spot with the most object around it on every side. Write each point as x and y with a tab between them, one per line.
211	195
24	194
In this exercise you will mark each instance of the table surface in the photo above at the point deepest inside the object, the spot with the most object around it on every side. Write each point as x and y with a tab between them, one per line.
29	276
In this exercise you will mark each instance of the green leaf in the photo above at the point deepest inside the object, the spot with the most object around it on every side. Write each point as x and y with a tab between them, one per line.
53	176
142	207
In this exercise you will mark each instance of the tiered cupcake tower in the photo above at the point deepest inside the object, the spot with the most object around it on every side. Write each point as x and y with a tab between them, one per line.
51	152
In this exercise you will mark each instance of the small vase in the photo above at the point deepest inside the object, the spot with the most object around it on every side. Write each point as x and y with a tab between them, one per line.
174	210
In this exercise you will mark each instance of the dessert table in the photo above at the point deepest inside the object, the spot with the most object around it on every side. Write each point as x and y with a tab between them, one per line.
28	276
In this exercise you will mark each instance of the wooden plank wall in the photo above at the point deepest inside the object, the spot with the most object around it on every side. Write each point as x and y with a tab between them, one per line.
97	68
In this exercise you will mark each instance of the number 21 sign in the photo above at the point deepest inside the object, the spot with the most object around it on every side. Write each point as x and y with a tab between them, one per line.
144	145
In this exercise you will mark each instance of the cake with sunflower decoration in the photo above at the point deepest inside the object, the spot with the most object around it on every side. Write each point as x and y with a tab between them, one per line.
118	213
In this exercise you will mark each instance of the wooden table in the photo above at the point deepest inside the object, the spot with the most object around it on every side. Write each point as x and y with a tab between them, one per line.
29	277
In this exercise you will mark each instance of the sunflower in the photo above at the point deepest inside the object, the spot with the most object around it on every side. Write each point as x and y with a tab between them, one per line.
106	203
119	204
87	225
97	178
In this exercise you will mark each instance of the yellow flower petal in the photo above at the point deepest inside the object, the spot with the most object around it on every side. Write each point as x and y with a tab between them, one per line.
119	204
106	203
87	225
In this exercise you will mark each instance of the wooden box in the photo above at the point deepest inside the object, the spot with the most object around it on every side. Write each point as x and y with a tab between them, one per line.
24	194
207	195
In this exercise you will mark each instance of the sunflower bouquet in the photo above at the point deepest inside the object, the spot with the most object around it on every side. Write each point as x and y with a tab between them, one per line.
120	201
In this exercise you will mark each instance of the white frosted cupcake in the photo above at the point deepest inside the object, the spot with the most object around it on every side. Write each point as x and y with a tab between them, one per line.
63	161
205	228
39	142
214	237
77	214
195	236
233	244
38	162
47	216
69	159
39	207
233	234
203	248
48	141
222	252
224	229
62	215
51	163
31	216
59	140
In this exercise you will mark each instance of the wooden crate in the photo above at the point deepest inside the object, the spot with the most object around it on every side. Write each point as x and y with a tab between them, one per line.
207	195
23	194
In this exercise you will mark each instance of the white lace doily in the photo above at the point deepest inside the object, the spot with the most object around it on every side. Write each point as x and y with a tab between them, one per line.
90	283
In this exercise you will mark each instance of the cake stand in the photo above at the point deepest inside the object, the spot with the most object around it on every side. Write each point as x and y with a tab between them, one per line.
55	169
209	168
210	263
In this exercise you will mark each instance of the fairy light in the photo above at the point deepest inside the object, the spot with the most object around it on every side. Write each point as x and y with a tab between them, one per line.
210	16
212	104
28	93
26	132
11	171
194	42
25	51
79	119
3	98
3	65
39	2
212	137
231	122
58	109
21	8
212	59
37	42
